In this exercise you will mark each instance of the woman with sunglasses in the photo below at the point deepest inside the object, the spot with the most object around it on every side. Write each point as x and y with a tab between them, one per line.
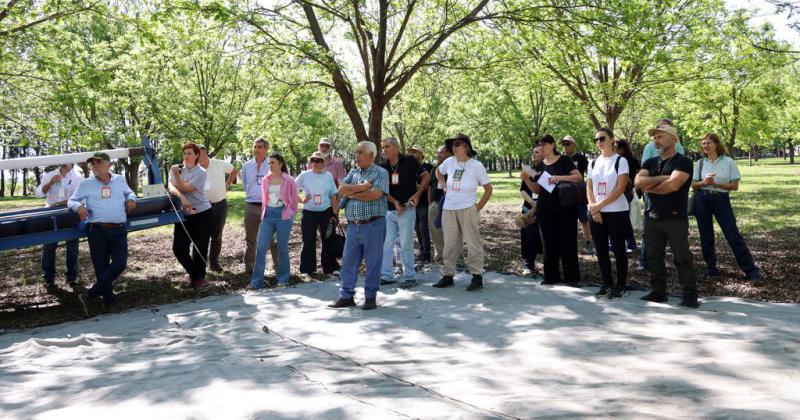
320	208
278	206
608	207
558	225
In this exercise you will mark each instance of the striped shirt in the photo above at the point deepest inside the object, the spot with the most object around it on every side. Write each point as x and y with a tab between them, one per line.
362	210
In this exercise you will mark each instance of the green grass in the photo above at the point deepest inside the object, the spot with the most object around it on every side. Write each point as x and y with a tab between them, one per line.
768	198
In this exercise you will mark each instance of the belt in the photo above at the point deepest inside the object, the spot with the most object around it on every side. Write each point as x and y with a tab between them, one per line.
712	191
365	221
108	225
222	201
255	204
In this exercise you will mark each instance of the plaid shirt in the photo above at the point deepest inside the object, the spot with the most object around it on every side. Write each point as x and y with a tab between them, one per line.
362	210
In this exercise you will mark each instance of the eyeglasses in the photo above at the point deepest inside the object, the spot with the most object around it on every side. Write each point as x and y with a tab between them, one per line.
458	143
600	139
324	146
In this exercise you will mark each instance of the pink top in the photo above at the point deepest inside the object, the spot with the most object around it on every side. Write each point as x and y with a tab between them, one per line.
288	195
336	168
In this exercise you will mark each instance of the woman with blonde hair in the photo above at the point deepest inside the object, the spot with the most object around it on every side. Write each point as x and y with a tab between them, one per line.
715	176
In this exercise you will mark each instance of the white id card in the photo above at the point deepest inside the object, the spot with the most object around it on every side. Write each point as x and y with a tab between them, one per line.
601	188
395	178
105	192
456	185
317	199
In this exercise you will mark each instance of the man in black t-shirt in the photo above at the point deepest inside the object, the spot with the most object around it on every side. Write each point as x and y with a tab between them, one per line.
404	173
582	163
421	225
666	180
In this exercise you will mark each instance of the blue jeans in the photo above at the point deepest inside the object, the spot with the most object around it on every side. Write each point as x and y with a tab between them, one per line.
272	224
49	261
718	205
363	242
108	248
399	227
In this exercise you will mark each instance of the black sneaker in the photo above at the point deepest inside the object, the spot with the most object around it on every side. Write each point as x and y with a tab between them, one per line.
51	288
654	297
407	284
690	302
385	282
215	267
476	283
369	304
603	290
617	293
445	281
709	273
343	303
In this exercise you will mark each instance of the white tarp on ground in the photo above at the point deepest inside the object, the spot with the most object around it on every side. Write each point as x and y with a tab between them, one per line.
515	349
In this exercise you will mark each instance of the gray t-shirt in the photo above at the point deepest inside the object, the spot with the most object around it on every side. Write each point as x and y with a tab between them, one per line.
197	177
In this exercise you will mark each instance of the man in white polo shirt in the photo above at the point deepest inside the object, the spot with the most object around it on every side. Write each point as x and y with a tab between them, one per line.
220	176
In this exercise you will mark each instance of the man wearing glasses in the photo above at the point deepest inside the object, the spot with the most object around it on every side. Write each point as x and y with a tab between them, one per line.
333	165
253	171
363	195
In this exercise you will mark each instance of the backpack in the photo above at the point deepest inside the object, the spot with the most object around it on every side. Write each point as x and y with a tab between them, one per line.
628	187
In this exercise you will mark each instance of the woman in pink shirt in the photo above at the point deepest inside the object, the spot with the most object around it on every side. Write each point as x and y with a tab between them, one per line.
278	206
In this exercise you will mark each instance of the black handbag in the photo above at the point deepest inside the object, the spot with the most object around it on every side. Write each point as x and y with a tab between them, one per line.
571	194
335	241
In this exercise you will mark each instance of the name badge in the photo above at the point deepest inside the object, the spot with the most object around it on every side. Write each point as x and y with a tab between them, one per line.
317	199
456	185
601	188
395	178
259	178
105	192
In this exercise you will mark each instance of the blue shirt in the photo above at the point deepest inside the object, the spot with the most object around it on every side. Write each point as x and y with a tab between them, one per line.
651	152
320	187
362	210
724	169
104	207
251	177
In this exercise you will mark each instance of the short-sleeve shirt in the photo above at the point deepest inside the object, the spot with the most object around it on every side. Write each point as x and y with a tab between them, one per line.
548	202
672	205
362	210
251	177
320	187
604	172
581	163
423	198
60	191
724	170
335	167
463	180
196	176
437	192
216	180
403	178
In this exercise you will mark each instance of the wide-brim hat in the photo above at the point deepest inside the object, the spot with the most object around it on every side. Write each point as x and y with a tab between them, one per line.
448	143
99	155
664	129
316	155
324	140
417	148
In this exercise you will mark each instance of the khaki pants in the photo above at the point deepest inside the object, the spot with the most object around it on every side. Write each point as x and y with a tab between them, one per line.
252	221
436	234
459	227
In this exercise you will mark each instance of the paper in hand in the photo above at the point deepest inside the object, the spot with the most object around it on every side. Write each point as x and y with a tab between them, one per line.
544	182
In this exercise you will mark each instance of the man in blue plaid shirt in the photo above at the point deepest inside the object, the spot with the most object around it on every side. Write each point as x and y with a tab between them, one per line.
363	192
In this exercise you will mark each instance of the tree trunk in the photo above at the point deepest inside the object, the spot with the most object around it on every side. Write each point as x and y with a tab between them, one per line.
375	125
791	151
750	155
3	175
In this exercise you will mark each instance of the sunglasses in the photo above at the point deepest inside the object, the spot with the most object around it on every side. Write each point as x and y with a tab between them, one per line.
316	160
600	139
458	143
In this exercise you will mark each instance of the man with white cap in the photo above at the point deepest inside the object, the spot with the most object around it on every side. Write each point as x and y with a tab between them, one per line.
423	233
582	163
333	165
666	180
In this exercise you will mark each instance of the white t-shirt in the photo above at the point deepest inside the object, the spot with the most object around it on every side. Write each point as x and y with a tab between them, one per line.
604	181
274	196
462	182
217	172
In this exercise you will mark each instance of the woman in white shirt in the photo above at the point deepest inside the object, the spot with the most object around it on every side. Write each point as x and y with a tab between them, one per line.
460	213
609	209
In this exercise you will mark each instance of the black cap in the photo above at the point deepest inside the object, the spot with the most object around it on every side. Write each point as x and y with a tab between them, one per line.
99	155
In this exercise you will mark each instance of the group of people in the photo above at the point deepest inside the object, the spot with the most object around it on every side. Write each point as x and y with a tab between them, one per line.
614	181
386	204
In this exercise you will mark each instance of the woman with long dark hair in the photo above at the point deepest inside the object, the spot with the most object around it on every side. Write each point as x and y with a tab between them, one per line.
557	223
278	206
715	176
605	190
187	182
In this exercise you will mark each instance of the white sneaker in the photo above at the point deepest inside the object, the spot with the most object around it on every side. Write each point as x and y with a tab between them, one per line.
335	273
526	272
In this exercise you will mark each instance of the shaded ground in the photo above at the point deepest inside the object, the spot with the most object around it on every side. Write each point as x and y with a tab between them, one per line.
154	277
